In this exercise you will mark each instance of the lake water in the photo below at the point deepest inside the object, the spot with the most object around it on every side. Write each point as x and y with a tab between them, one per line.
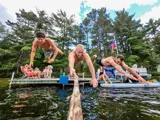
50	103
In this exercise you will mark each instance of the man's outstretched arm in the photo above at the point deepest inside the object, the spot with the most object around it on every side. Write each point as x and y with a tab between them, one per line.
134	73
33	51
119	69
92	70
71	62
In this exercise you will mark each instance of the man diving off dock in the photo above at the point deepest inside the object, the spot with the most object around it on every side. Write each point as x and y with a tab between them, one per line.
78	55
48	46
118	62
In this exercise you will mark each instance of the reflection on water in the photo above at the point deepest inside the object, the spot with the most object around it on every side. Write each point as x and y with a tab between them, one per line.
50	103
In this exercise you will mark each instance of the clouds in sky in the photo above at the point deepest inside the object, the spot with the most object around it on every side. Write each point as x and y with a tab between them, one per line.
10	7
118	4
4	15
153	13
70	6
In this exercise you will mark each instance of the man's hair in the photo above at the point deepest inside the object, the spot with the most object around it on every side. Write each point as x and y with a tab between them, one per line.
80	46
40	35
121	57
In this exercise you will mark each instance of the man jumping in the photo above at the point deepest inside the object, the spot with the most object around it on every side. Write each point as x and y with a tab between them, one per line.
48	46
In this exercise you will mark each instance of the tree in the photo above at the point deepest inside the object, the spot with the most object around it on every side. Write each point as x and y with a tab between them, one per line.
125	26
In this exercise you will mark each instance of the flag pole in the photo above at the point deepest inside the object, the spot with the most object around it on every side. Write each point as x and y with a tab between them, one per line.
116	43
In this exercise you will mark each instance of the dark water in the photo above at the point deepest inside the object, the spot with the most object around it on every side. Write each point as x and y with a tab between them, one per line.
49	103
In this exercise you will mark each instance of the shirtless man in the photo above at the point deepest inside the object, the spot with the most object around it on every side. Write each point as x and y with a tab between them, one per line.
48	46
78	55
118	62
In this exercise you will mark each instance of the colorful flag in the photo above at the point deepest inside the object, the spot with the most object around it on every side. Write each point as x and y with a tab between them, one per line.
113	46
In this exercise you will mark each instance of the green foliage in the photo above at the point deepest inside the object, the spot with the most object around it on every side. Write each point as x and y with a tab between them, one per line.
132	59
155	73
4	51
26	48
133	39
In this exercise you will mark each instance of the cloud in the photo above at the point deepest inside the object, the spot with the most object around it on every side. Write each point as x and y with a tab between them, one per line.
153	13
70	6
4	15
117	4
114	5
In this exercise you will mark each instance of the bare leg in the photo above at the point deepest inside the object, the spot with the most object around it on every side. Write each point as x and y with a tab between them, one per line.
107	78
101	77
104	79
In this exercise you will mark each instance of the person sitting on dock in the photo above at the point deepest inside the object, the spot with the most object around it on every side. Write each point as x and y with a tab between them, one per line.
44	72
47	72
48	46
118	62
103	76
78	55
50	71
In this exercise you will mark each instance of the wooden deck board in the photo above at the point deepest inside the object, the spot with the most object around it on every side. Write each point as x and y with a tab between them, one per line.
47	81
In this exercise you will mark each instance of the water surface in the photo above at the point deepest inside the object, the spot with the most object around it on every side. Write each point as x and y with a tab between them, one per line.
50	103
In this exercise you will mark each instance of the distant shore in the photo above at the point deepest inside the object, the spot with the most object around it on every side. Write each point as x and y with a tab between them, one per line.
4	82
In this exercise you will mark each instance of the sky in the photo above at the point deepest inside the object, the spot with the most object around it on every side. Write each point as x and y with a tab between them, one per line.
143	9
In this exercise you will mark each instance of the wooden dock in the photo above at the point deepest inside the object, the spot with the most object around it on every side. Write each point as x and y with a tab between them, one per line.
48	81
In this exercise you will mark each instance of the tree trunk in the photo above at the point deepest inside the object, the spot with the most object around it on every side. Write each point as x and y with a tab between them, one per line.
75	110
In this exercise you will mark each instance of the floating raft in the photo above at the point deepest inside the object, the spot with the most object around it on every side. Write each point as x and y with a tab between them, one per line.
130	85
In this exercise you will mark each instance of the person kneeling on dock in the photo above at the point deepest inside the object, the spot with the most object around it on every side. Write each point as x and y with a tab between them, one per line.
78	55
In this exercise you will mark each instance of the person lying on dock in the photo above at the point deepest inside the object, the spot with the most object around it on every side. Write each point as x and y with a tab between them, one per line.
118	62
103	76
78	55
25	69
48	46
28	72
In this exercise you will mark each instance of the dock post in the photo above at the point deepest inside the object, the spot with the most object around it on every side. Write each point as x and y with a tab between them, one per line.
10	84
63	86
83	75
